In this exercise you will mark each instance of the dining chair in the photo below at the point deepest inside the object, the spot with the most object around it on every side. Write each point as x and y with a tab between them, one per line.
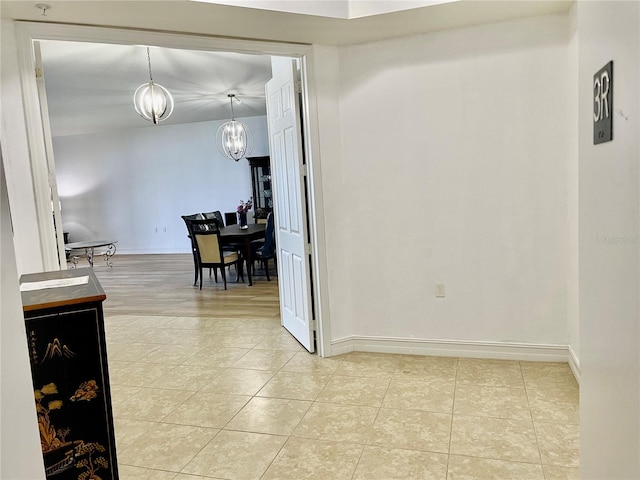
231	218
260	215
209	253
267	251
215	216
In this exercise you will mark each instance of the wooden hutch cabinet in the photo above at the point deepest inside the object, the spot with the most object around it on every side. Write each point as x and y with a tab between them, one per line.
65	330
261	185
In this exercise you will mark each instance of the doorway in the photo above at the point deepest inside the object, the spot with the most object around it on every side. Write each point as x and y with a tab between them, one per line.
30	32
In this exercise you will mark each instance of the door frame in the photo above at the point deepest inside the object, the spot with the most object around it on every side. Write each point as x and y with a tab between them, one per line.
48	144
27	32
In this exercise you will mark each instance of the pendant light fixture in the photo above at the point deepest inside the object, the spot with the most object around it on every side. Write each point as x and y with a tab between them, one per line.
152	101
234	139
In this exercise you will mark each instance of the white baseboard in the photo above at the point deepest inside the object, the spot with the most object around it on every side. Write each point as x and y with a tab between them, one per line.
574	363
151	251
452	348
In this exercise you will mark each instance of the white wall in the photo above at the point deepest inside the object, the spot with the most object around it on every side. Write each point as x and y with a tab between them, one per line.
19	440
133	185
454	169
609	239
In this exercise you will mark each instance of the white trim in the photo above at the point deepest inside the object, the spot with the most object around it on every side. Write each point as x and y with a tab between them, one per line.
141	251
574	363
452	348
316	211
119	36
29	31
15	157
37	150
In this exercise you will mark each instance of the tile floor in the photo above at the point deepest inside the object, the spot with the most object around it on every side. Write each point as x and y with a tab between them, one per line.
233	399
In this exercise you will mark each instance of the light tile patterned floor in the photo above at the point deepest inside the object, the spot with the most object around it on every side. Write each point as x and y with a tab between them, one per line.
240	399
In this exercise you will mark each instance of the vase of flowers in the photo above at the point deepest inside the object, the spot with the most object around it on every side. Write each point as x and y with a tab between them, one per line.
243	208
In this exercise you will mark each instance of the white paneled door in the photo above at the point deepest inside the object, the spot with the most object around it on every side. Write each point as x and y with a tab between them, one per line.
287	169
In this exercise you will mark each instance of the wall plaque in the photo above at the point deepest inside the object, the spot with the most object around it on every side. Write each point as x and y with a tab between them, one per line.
603	104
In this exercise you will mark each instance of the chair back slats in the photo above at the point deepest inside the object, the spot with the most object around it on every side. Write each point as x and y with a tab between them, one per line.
214	216
191	218
203	227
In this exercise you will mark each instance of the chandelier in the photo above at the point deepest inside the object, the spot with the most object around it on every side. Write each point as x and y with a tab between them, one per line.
152	101
234	139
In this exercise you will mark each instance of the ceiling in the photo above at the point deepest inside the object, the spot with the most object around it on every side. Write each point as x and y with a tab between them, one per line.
346	9
90	86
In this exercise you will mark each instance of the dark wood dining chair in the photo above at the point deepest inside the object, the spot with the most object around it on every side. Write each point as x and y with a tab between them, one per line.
215	216
231	218
267	251
209	252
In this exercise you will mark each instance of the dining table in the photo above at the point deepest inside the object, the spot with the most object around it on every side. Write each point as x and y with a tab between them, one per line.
236	235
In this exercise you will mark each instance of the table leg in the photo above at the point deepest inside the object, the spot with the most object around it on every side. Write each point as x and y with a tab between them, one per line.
89	253
247	256
111	251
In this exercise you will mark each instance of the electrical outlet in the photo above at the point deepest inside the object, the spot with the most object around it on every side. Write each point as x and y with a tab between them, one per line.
440	289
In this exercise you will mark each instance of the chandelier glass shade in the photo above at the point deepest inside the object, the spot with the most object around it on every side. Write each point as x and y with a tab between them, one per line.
152	101
234	140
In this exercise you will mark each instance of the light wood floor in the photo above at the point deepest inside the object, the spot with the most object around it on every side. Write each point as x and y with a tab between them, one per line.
163	285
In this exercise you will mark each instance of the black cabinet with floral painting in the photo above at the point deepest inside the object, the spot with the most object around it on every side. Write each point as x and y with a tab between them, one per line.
261	186
65	330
